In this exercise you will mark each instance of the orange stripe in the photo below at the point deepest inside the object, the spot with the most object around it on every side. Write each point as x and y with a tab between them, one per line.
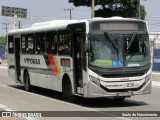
57	66
52	64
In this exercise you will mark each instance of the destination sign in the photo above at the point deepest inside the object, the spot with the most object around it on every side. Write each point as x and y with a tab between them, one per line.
117	25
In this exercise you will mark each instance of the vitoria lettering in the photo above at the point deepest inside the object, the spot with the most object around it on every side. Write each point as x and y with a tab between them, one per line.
32	61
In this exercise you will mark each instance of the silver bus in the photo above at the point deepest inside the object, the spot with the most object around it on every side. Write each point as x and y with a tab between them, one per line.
99	57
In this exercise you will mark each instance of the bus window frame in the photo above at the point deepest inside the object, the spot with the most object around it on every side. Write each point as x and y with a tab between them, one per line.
55	42
69	44
11	50
43	39
27	43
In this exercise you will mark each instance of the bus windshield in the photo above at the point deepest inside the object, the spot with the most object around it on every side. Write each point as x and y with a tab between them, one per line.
119	50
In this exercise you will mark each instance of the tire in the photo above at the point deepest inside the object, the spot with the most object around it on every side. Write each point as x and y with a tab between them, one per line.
119	99
67	91
27	82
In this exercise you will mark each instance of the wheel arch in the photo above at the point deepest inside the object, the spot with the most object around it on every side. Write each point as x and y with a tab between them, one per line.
64	81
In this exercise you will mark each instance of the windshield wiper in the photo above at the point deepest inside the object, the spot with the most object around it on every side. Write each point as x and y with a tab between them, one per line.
131	41
111	40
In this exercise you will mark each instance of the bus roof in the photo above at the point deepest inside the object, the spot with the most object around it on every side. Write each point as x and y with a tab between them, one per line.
61	24
42	26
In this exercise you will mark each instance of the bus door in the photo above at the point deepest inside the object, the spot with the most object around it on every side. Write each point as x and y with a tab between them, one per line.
17	57
78	40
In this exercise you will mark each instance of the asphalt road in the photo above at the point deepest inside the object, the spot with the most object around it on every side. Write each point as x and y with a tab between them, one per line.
14	97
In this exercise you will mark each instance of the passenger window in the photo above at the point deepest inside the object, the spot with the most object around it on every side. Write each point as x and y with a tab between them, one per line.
30	45
10	44
64	42
51	42
23	44
40	43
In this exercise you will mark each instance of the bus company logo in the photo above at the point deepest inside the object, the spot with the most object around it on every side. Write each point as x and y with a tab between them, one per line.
113	86
32	61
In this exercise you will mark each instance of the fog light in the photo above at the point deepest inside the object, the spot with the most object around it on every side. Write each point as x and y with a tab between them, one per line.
95	80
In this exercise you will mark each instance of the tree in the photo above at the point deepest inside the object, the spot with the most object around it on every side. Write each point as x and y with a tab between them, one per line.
109	8
2	40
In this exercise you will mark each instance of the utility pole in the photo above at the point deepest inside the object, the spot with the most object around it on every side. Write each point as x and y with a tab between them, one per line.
70	11
19	25
92	9
6	26
14	21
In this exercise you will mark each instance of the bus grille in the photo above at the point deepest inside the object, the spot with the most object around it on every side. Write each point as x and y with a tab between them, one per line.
122	75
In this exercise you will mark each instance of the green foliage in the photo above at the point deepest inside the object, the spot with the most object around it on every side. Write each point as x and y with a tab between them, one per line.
2	40
109	8
143	12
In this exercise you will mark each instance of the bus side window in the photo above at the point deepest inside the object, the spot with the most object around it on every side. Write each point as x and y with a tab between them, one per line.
64	40
51	42
23	44
10	44
40	43
30	44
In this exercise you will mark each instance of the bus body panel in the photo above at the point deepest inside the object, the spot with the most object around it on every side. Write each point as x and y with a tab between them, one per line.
47	71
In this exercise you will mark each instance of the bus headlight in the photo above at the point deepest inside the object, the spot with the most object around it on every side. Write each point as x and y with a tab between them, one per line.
148	77
95	80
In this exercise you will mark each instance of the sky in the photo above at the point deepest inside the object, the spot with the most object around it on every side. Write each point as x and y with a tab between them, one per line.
45	10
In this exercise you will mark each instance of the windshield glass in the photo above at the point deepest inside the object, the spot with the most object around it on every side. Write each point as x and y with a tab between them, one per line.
119	50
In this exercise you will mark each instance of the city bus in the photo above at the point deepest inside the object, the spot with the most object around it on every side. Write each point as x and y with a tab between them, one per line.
92	58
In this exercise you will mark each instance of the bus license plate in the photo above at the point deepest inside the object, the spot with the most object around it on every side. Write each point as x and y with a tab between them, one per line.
124	94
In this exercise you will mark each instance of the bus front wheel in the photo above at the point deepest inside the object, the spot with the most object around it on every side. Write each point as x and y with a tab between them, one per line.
27	82
119	99
67	91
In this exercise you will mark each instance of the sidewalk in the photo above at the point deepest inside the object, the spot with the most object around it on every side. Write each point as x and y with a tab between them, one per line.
4	64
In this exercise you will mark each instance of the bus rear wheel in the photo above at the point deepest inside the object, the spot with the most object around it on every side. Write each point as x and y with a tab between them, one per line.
27	82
